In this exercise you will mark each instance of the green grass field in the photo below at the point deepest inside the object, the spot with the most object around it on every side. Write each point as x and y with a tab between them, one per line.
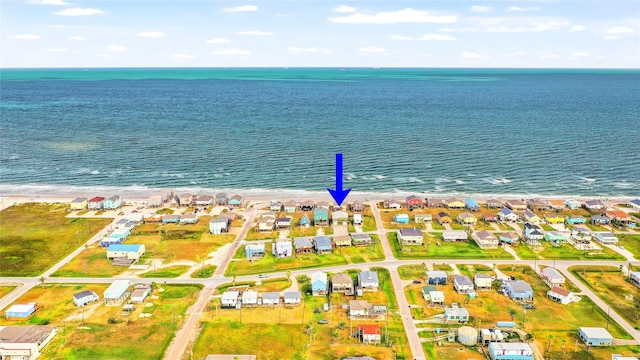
631	242
564	252
205	272
446	250
167	272
34	236
94	261
4	290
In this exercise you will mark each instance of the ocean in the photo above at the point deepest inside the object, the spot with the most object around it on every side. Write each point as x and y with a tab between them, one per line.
429	131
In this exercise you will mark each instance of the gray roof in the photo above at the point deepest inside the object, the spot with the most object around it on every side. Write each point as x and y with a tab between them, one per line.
410	232
323	241
361	236
293	295
368	276
302	242
462	280
436	274
519	286
24	334
483	276
456	312
517	346
219	219
84	294
596	332
552	273
271	295
79	200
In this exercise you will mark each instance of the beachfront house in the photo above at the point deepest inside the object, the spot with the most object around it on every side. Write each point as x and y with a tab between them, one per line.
319	283
518	290
391	204
116	293
538	205
560	295
494	204
555	237
78	204
605	237
634	278
634	204
357	206
219	225
24	342
575	219
95	203
556	205
507	214
410	236
482	281
455	235
370	333
236	201
292	298
186	199
510	351
422	218
323	245
594	205
462	284
321	216
402	219
204	200
342	283
595	336
509	237
554	219
221	199
530	217
85	297
282	248
436	277
339	241
454	203
552	277
361	239
467	219
368	280
471	204
340	218
485	239
456	314
303	245
229	299
443	218
414	202
290	207
516	205
435	203
275	206
271	298
487	217
573	204
600	220
254	251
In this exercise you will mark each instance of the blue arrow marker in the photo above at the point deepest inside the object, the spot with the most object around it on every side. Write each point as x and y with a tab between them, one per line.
338	194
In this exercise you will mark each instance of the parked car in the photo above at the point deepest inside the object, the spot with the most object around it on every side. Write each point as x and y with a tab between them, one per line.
323	321
529	306
262	276
417	282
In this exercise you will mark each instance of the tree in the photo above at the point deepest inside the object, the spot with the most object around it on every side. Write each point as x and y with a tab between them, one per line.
549	343
513	313
289	276
42	279
336	334
342	324
528	337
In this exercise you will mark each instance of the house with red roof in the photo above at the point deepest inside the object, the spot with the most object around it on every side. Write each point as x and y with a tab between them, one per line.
95	203
370	333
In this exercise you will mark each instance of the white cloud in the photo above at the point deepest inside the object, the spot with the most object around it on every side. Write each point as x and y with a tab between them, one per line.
480	8
611	37
343	9
151	34
47	2
575	28
218	41
407	15
77	38
79	12
445	29
471	55
522	9
27	37
183	56
425	37
535	27
517	53
580	54
297	50
116	48
255	33
548	56
231	52
372	49
242	8
58	50
620	30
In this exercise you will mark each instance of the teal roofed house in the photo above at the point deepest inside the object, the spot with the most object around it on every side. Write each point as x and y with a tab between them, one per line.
321	216
555	237
304	220
574	219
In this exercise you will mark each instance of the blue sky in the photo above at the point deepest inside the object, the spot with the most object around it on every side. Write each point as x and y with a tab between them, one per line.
66	33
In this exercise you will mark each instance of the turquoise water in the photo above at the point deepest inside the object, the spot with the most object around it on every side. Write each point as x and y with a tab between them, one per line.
440	131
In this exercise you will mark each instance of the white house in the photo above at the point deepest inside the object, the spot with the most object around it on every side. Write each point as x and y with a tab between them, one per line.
357	219
250	298
270	298
552	277
436	297
634	278
507	215
605	237
129	251
140	293
24	342
462	284
230	299
282	248
454	235
560	295
368	280
485	239
219	225
85	297
339	218
359	307
408	236
292	298
482	281
580	233
634	204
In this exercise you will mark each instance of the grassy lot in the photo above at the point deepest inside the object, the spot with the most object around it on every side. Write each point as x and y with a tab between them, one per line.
167	211
167	272
564	252
205	272
270	284
302	231
612	287
253	234
631	243
34	236
4	290
130	338
505	226
340	256
94	260
471	270
446	250
449	350
597	227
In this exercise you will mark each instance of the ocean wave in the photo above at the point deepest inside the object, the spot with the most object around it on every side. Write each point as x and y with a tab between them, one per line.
623	185
588	180
498	181
410	179
460	182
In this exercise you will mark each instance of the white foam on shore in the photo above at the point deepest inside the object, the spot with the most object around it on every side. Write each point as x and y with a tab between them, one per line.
498	181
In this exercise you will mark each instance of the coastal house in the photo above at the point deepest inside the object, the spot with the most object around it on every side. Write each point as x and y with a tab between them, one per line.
455	235
509	237
186	199
471	204
554	219
410	236
485	239
533	232
487	218
171	219
125	254
249	298
467	219
443	218
323	245
462	284
24	342
357	219
414	202
594	205
436	277
117	236
321	216
271	298
219	225
600	220
339	241
595	336
605	237
357	206
361	239
324	204
140	293
581	234
78	204
494	204
221	199
303	245
290	207
191	218
518	290
282	248
266	223
454	203
634	204
573	204
482	281
95	203
20	311
435	203
530	217
275	206
555	237
358	308
507	215
456	314
116	293
556	205
575	219
204	200
307	205
634	278
292	298
283	222
370	334
229	299
391	204
436	298
618	217
560	295
368	280
422	218
319	283
152	218
236	201
402	219
426	290
85	297
516	205
342	283
538	205
304	221
254	251
510	351
552	277
340	218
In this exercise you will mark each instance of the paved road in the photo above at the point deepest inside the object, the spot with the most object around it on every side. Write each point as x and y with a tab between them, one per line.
236	243
381	232
186	334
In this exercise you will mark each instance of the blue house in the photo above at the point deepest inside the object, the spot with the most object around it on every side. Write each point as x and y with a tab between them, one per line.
575	219
595	336
437	277
471	204
304	220
321	216
323	245
254	251
518	290
600	220
319	283
112	203
20	311
510	351
402	218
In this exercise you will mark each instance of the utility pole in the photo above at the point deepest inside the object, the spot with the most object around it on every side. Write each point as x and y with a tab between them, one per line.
608	311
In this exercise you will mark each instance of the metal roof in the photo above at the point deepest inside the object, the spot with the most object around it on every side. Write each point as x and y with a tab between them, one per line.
116	289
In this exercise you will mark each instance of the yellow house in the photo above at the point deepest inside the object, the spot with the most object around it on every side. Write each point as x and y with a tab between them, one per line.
467	219
554	219
455	203
443	218
530	217
78	204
